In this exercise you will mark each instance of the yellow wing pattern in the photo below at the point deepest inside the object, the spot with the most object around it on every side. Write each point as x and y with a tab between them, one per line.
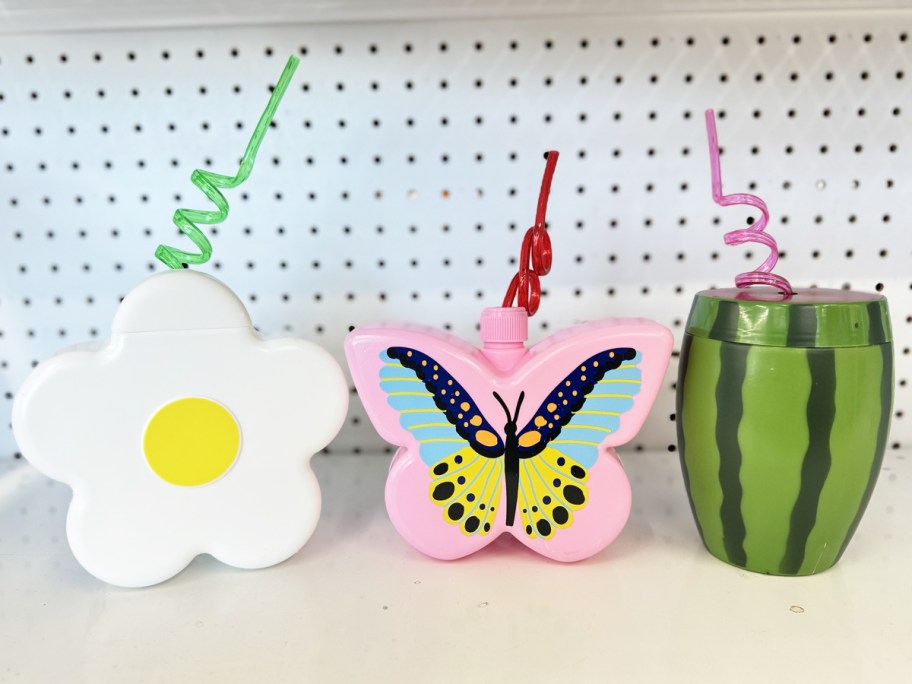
467	485
551	487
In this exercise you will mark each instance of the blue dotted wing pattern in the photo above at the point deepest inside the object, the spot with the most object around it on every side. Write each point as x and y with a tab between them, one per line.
433	407
585	407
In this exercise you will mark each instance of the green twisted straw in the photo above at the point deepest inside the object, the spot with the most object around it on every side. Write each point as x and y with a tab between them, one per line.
209	183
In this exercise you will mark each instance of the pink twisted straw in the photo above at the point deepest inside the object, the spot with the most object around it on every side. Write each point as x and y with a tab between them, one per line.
763	274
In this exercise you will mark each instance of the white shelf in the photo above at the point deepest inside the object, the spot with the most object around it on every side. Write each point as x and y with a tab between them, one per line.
358	604
44	16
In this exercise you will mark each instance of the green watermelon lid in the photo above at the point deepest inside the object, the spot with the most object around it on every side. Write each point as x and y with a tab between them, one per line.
814	317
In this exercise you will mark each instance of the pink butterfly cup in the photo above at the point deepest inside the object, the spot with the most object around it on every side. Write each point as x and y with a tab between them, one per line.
509	438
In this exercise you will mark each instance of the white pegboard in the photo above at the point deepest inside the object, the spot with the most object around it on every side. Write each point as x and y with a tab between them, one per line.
406	160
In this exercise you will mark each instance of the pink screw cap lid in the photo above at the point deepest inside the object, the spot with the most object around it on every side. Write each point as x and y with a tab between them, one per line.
504	325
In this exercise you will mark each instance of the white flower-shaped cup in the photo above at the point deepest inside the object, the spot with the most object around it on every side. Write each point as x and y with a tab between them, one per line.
186	433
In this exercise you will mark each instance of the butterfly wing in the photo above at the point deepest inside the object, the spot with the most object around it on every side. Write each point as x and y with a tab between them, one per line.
561	441
457	443
551	488
422	390
560	527
585	406
444	491
573	496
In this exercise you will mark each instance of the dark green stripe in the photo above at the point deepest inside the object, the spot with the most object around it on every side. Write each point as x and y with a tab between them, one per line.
725	326
821	412
683	363
876	332
730	407
883	429
802	326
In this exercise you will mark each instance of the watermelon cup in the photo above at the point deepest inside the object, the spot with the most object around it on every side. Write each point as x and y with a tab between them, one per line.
783	410
784	400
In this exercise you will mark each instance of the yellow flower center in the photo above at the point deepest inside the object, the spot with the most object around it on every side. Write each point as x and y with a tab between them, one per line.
191	441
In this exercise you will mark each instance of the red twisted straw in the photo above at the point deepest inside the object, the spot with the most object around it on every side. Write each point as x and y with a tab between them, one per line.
763	274
535	255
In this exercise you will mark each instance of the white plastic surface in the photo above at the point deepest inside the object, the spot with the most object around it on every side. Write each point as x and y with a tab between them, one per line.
175	302
406	163
82	418
358	604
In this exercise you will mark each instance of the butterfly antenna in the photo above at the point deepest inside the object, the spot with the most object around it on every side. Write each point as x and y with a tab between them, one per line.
503	404
522	395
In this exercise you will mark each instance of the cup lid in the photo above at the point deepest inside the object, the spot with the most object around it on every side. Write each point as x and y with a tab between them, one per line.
504	324
814	317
